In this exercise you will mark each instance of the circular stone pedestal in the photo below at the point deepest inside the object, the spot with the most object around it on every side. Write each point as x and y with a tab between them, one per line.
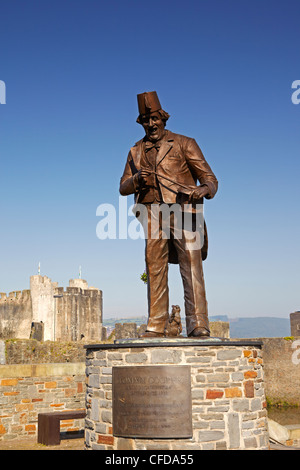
184	394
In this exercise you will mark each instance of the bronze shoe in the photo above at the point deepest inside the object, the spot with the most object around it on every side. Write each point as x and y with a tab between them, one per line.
152	334
199	332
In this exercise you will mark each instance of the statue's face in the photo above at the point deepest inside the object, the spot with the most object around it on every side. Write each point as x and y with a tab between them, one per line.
153	126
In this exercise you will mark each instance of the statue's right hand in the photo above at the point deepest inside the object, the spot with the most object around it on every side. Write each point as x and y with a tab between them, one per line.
144	176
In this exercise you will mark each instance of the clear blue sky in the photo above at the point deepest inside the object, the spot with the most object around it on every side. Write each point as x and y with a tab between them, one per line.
222	69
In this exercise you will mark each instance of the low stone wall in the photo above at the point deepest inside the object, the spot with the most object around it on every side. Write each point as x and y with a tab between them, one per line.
282	370
26	390
30	351
227	389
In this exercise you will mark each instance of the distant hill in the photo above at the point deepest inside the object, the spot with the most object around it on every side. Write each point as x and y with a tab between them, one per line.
259	327
248	327
110	322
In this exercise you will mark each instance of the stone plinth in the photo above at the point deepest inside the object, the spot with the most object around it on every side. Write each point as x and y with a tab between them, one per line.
227	400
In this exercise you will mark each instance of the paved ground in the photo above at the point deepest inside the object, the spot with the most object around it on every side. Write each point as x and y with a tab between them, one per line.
30	443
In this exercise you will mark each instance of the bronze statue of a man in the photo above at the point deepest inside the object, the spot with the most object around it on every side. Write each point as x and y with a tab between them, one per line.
163	169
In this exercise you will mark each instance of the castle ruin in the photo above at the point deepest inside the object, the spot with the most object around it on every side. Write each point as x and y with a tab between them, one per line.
73	314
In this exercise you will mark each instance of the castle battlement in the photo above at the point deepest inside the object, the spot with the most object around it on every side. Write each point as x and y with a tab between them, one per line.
16	295
38	279
75	290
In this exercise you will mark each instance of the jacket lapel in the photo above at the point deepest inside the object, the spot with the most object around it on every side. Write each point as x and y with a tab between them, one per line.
164	150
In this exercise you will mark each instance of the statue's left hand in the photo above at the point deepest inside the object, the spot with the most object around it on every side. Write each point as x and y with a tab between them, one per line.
198	193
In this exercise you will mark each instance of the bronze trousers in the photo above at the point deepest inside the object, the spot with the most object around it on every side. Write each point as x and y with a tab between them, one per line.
190	264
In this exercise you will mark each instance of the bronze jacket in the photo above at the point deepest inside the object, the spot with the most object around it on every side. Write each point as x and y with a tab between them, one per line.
179	159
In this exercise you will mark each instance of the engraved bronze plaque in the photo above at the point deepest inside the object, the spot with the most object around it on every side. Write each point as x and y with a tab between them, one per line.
152	401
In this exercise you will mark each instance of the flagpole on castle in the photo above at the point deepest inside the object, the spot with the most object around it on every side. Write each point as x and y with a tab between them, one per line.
39	269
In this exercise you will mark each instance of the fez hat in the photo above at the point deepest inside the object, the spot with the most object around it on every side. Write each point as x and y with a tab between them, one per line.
148	102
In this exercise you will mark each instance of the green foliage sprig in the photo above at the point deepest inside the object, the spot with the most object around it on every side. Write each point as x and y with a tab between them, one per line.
144	277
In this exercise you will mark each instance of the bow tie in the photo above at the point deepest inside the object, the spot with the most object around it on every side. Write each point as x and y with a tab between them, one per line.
151	145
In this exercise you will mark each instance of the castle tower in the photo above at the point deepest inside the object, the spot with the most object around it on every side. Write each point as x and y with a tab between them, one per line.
42	298
78	312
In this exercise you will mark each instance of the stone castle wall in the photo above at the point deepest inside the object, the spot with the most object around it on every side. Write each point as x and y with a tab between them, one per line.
67	315
15	314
